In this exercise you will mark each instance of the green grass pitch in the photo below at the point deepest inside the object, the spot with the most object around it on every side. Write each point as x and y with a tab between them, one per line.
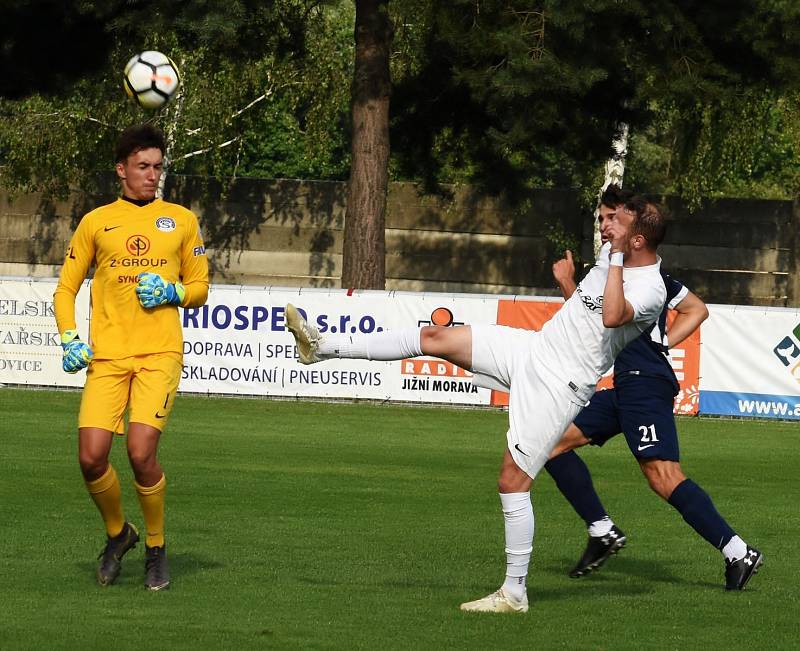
298	525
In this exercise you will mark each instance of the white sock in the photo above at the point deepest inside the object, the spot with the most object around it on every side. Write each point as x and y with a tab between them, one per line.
735	549
379	346
518	515
600	528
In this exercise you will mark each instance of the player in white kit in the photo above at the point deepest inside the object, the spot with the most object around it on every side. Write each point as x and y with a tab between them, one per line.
550	374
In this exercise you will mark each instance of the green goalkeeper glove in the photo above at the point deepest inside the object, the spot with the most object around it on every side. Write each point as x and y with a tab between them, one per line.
77	354
153	291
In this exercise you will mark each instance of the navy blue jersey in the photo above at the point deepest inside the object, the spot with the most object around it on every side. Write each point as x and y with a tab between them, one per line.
648	354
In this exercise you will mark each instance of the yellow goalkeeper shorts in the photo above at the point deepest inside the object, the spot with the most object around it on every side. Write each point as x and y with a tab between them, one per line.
144	385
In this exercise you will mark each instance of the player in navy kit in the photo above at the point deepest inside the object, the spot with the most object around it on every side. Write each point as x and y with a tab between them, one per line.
641	407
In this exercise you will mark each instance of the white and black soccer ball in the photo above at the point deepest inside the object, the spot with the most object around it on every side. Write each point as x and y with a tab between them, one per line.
151	79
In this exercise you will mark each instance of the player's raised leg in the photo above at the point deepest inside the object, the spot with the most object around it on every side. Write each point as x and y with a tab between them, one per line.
452	344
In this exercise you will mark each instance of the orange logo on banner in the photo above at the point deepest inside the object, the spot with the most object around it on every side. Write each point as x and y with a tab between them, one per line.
437	367
532	315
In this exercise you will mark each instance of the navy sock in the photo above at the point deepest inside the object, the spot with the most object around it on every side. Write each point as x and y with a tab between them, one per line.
575	483
696	507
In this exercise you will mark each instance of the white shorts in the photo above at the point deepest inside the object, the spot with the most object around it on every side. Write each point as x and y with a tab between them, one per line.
541	406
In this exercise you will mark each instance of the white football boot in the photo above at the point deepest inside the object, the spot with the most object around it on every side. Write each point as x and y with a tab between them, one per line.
497	602
306	336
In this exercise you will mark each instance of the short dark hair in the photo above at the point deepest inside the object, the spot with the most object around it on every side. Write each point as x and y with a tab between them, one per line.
614	196
649	222
136	138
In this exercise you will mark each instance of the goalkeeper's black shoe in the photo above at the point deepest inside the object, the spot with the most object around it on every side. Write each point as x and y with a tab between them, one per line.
598	550
115	549
738	573
156	570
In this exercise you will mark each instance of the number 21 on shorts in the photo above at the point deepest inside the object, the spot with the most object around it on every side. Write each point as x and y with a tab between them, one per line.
648	433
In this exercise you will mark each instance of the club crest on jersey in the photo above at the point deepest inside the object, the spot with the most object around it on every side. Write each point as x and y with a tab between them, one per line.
165	224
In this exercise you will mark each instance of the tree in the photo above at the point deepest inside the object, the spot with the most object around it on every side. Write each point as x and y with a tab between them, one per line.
273	109
364	244
746	146
504	94
532	92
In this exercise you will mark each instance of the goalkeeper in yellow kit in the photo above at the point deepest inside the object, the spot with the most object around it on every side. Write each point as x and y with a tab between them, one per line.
149	258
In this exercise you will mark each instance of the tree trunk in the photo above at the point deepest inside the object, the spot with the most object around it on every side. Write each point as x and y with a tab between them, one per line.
364	247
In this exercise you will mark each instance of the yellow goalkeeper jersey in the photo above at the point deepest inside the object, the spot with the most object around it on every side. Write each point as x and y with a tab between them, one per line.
122	240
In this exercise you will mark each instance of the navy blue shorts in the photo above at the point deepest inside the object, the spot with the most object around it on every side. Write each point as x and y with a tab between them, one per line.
639	407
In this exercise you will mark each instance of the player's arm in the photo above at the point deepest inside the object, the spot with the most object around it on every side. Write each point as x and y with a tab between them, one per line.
617	311
692	311
77	261
194	268
564	274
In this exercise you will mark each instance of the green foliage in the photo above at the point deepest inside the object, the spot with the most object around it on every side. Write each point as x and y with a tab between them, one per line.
509	87
275	108
50	144
516	93
561	240
293	129
504	94
744	146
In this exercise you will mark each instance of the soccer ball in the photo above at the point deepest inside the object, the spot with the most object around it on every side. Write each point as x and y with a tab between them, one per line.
151	79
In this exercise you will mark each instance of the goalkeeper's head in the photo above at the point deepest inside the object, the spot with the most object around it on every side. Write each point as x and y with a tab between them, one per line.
139	156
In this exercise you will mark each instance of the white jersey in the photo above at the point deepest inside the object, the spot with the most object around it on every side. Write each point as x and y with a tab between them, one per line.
575	345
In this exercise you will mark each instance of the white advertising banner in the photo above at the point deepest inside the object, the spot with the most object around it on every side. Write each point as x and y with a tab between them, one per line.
750	362
30	348
237	343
